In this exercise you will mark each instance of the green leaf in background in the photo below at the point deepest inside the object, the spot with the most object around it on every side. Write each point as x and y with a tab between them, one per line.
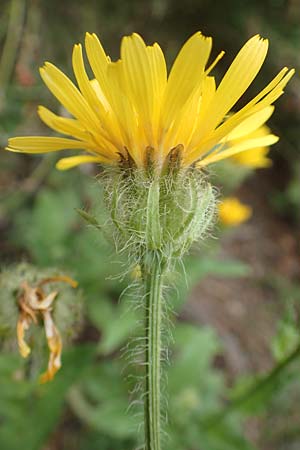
287	337
117	322
47	228
101	401
29	419
227	436
195	388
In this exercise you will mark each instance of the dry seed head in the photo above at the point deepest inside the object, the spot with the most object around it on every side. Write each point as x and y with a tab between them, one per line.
66	311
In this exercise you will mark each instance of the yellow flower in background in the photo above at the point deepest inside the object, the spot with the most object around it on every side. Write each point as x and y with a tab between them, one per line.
232	212
34	304
255	157
133	107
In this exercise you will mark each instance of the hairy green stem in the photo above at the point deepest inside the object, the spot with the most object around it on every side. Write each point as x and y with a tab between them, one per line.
152	403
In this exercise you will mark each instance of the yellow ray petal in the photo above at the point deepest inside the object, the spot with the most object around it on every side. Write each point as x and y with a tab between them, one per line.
69	96
246	145
267	96
181	130
158	71
272	96
84	84
145	75
137	73
208	92
73	161
237	79
251	124
215	62
98	60
98	142
234	120
99	93
44	144
127	117
111	130
62	124
186	74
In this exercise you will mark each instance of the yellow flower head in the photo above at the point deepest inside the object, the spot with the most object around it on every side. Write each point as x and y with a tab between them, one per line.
232	212
133	108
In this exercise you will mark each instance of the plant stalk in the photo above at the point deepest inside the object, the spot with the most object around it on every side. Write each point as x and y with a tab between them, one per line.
13	35
152	403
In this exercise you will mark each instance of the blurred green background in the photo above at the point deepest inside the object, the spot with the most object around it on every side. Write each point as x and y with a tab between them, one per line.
233	366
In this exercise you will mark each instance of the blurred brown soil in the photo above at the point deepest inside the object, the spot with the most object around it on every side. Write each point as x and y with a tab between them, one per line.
245	311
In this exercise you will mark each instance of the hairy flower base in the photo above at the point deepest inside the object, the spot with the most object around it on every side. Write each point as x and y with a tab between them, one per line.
158	213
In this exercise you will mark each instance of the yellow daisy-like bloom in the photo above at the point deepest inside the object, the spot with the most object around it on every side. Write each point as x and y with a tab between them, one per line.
133	107
232	212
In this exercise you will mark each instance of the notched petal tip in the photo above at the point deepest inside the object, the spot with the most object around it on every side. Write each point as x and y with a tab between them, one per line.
13	144
77	47
258	41
48	65
42	70
42	110
130	41
46	68
12	149
200	36
136	36
89	35
88	38
257	37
